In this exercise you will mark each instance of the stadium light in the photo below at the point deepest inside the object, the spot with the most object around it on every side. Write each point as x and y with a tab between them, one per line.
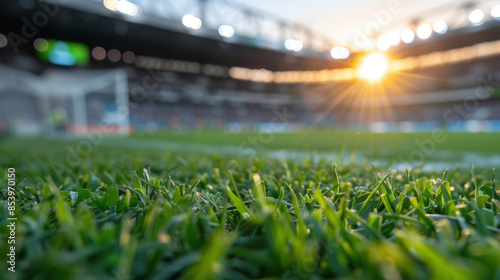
3	40
373	67
111	4
226	31
407	36
191	21
476	16
383	43
123	6
128	57
424	31
495	12
293	45
387	40
394	39
41	45
128	8
340	53
114	55
98	53
440	27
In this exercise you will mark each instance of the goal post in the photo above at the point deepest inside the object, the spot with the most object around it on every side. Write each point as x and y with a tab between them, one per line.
82	91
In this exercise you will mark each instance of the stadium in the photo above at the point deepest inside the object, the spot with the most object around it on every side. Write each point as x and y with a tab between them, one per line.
230	139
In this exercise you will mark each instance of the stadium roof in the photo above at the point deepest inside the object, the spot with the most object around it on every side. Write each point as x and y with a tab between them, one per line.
341	19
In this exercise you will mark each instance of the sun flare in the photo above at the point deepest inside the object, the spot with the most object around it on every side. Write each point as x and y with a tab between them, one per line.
373	67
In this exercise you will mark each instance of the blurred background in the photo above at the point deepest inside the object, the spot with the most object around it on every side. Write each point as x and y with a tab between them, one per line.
72	67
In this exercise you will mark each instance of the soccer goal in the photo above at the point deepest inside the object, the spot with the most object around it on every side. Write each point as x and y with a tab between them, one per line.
67	101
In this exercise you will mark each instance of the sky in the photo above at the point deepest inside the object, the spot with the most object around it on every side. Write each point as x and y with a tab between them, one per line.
341	19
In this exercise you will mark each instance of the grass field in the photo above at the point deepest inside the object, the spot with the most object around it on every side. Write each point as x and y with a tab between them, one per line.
115	212
335	140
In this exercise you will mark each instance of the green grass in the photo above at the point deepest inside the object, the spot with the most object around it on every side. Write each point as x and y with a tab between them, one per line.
128	214
373	144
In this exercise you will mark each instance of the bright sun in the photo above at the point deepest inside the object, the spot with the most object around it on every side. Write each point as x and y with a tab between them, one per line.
373	67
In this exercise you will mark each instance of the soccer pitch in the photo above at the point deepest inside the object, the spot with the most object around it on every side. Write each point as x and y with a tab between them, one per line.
208	205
